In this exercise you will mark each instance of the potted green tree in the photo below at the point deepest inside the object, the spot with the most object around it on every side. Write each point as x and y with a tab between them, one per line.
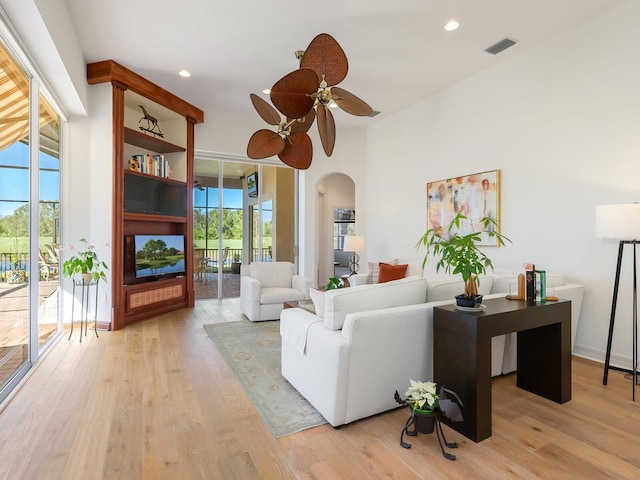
235	265
85	265
461	253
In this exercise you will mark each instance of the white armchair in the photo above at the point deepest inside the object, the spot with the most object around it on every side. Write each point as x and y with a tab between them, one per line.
265	286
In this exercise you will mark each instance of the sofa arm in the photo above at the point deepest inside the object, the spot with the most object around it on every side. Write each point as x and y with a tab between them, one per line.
388	347
302	284
250	288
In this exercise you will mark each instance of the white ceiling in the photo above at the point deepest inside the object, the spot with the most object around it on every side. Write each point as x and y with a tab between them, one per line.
398	51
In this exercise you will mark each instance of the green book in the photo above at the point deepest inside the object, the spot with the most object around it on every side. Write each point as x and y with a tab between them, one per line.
543	285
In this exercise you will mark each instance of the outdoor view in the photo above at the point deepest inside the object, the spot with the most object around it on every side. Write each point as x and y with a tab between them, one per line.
16	197
247	223
205	225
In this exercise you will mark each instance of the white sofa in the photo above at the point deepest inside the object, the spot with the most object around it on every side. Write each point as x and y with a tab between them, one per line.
366	342
265	286
503	347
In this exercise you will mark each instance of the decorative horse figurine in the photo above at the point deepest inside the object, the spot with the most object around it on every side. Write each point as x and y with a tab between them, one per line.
152	123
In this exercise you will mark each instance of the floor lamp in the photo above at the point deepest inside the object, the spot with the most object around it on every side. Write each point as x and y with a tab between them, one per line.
621	222
353	244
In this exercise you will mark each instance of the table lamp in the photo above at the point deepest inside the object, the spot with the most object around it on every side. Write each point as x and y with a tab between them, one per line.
621	222
354	244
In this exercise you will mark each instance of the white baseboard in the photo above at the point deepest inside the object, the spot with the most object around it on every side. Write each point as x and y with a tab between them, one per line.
598	355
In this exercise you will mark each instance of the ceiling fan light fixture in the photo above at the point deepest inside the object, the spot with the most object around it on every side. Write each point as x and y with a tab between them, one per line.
303	96
266	91
451	25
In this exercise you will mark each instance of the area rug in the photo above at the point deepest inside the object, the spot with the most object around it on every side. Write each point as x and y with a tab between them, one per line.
252	350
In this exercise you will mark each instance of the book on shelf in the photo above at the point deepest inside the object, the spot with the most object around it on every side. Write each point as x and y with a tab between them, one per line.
149	164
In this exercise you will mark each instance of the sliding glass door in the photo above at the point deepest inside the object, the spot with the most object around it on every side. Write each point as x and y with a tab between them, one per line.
29	206
243	212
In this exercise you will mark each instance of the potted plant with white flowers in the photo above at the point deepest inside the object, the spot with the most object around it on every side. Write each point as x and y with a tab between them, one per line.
427	405
85	266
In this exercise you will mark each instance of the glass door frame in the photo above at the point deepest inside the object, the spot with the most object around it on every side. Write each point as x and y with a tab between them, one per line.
227	158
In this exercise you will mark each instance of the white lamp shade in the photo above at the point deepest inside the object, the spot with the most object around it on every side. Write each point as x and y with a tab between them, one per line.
353	243
621	221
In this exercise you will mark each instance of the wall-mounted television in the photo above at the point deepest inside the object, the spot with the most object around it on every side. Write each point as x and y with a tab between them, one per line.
159	255
252	184
145	194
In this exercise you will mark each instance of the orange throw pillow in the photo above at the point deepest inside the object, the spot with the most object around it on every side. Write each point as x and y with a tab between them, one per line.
391	272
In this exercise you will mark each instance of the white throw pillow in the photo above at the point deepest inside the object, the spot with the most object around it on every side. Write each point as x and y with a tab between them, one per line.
317	297
374	270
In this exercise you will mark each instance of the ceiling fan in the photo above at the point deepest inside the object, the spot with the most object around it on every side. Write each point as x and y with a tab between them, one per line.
301	96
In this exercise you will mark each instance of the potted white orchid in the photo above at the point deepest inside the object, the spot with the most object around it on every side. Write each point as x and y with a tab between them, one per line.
85	264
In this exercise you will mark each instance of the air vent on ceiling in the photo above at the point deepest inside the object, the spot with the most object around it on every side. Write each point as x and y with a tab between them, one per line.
500	46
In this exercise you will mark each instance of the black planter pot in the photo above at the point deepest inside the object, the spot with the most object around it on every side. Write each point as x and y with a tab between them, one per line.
469	302
424	422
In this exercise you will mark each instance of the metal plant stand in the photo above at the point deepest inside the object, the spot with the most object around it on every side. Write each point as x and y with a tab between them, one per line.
438	428
85	291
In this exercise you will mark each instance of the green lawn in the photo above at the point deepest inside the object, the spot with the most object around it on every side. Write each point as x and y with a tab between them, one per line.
233	244
7	244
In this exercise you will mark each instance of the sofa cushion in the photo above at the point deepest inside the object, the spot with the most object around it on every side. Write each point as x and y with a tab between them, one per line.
317	297
272	274
391	272
339	303
447	289
279	295
374	270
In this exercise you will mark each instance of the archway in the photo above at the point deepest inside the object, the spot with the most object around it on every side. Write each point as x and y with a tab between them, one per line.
335	193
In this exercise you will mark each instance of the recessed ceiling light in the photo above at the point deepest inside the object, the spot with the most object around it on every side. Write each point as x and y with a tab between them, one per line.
266	91
184	73
451	25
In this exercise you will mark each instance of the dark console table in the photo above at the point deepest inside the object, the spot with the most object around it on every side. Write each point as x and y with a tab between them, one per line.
462	354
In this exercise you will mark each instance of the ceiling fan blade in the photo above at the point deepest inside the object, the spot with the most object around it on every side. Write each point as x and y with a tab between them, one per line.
264	143
326	129
298	152
325	56
303	124
348	102
266	111
291	94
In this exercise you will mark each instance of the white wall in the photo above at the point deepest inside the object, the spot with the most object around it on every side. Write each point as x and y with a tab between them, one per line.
561	122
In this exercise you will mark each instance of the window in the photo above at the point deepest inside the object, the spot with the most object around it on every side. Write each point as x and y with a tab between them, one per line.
344	224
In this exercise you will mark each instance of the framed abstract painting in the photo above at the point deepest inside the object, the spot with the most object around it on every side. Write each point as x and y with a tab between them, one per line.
476	195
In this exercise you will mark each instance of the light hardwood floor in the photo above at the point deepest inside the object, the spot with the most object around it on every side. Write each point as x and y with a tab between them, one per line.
157	401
